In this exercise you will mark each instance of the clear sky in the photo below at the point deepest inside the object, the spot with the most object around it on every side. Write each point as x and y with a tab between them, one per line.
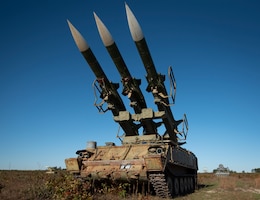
46	95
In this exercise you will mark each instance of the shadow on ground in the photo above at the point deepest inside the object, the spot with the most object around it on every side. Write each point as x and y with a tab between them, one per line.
202	186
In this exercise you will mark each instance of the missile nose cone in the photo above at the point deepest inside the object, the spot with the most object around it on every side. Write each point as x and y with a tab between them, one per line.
133	24
103	32
78	38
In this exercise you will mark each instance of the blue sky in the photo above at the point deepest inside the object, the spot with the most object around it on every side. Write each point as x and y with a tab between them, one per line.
46	95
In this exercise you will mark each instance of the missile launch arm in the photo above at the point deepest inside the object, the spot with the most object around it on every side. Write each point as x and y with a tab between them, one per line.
155	80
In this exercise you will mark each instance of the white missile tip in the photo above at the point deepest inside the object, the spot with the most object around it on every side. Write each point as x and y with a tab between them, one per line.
103	32
133	24
78	38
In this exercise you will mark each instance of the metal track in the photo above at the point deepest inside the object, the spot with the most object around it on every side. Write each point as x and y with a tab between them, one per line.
160	185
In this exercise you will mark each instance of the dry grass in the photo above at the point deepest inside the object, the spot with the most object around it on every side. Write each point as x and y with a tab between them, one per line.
238	186
21	184
26	185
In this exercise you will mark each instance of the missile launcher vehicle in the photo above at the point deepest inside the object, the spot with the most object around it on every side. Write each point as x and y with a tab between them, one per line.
149	158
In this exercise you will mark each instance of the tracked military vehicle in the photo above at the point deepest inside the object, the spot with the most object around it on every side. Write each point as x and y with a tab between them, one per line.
145	155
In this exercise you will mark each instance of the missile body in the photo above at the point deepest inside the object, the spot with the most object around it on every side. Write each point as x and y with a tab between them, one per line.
108	89
131	85
155	80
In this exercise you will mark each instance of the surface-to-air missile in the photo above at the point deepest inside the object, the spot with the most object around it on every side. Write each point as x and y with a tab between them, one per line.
130	84
107	89
152	159
155	80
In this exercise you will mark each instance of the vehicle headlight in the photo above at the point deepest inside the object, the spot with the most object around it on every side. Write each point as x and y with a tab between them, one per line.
126	166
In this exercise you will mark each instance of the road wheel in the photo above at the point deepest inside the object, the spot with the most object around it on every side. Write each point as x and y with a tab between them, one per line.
185	183
188	184
176	186
170	186
192	184
181	186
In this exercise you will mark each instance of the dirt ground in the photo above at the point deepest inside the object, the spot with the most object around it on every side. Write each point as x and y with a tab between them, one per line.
27	185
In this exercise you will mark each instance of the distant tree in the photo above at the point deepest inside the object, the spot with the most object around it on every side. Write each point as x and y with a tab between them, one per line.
221	170
256	170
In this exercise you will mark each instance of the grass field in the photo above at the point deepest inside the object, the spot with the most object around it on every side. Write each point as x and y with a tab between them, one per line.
39	185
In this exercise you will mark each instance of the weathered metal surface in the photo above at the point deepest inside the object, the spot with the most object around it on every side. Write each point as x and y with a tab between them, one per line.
154	163
115	170
183	157
72	165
